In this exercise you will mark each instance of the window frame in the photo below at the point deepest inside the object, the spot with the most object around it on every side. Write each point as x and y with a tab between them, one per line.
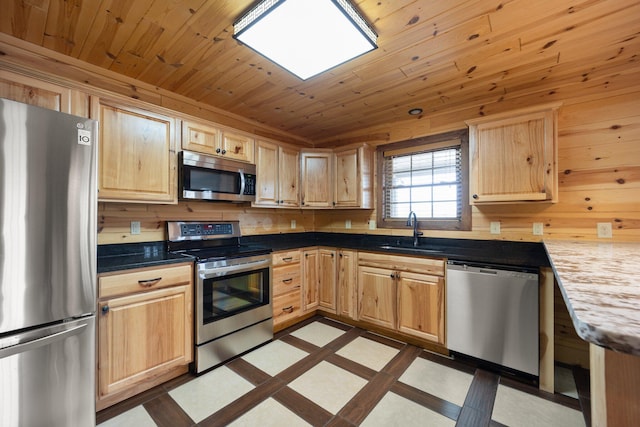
462	224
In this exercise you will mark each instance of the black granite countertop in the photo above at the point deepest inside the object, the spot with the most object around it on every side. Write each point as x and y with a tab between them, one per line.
135	255
500	252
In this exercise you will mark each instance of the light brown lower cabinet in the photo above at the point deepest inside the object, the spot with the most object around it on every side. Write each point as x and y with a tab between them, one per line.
145	330
346	286
403	294
287	287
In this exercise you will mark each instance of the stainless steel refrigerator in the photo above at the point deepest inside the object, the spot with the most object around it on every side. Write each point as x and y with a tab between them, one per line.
48	199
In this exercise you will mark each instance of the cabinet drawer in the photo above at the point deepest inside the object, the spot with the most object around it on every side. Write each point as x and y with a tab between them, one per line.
287	306
286	257
144	279
286	278
402	263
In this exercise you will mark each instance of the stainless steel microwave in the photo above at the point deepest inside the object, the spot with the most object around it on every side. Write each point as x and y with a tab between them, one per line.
205	177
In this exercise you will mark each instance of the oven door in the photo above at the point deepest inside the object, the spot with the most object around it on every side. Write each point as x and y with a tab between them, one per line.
231	295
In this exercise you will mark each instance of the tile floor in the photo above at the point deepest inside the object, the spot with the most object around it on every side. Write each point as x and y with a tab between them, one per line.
323	372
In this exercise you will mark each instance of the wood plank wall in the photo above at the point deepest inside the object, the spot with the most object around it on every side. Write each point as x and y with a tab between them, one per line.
599	164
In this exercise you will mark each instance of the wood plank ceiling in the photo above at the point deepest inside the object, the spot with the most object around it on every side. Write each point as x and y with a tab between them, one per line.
439	55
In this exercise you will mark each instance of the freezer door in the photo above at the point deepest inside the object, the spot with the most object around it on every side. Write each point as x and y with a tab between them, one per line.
48	376
48	202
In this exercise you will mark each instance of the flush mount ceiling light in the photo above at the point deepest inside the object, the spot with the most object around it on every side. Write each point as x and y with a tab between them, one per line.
306	37
415	111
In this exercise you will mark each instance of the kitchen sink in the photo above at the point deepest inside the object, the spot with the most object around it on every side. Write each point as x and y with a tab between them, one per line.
413	249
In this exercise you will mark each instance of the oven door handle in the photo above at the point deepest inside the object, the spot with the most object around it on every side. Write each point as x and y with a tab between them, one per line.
223	271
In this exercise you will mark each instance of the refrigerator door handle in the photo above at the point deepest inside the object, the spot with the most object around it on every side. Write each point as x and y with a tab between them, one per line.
42	340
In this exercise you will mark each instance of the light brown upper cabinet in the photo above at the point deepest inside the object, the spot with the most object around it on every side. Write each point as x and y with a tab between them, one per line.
278	170
137	157
353	184
514	156
208	139
317	179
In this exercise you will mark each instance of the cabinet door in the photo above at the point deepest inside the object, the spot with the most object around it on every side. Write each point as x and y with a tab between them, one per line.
514	158
316	180
237	146
267	168
347	284
35	92
327	279
200	137
289	170
141	336
421	306
137	160
346	181
310	269
377	296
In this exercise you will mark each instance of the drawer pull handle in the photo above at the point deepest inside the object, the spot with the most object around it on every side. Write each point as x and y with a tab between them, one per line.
287	259
288	309
289	280
150	282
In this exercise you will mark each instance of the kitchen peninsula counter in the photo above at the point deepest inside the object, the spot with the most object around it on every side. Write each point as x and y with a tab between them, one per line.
600	284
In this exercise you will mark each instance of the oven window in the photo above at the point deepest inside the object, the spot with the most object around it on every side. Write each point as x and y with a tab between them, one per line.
227	295
218	181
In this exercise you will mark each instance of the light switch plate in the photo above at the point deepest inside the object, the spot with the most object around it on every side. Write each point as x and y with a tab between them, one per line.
347	224
494	228
605	230
538	229
135	227
372	224
293	224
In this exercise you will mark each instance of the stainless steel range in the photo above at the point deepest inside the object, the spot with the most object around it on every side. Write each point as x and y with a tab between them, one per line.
233	289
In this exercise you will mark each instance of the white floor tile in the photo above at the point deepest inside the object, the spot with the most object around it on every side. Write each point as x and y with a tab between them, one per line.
516	408
564	382
210	392
136	417
275	357
446	383
369	353
318	333
269	414
394	410
329	386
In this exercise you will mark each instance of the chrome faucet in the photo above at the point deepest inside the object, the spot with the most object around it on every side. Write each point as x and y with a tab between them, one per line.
416	233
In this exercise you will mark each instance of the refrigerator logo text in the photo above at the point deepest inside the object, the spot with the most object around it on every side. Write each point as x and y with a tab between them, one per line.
84	137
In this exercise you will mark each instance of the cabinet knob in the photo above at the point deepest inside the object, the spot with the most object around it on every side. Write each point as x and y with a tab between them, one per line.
224	151
393	276
105	309
218	150
475	196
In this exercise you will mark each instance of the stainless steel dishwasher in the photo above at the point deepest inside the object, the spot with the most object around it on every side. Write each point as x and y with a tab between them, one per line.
492	314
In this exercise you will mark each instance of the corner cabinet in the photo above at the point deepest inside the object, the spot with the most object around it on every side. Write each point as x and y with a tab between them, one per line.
278	170
145	330
514	156
137	157
353	181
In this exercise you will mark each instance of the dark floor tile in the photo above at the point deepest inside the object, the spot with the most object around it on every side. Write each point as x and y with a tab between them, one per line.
334	323
482	392
470	417
306	409
351	366
401	361
247	371
165	412
125	405
383	340
243	404
357	409
299	343
436	404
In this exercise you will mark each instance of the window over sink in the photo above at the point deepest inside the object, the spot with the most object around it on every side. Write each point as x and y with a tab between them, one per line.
429	176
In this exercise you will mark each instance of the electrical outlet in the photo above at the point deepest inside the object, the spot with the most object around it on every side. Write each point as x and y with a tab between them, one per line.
494	228
604	230
135	227
293	224
538	229
347	224
372	224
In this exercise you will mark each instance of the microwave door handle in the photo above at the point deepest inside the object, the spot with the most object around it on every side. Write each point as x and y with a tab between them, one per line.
242	182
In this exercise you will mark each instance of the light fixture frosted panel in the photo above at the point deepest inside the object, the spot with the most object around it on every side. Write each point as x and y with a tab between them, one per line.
305	37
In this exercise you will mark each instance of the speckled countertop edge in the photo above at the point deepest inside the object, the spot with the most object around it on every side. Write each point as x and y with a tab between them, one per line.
600	283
